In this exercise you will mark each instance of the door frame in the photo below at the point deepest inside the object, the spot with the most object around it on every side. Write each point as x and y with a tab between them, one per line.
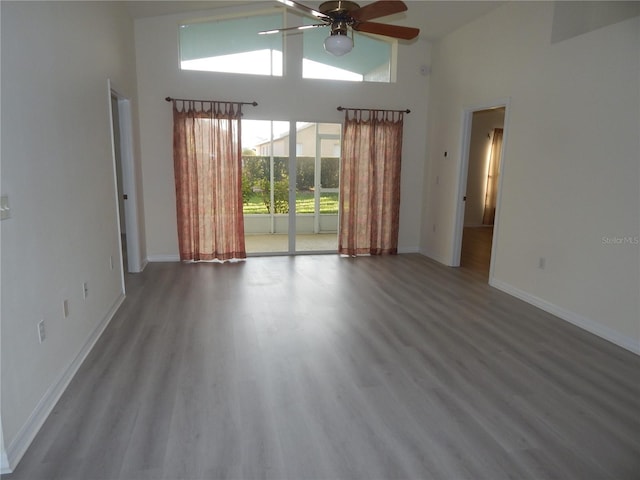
293	140
129	183
463	171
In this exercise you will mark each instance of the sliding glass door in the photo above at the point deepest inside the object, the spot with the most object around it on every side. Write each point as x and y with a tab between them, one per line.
290	186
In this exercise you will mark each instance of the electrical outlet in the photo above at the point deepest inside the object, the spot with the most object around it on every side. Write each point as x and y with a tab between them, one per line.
41	331
541	263
85	290
111	262
65	308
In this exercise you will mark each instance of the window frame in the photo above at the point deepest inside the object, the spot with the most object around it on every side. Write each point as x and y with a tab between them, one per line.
288	49
229	17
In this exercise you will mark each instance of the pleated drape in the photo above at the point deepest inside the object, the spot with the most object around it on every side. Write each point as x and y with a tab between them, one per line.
370	183
491	196
207	158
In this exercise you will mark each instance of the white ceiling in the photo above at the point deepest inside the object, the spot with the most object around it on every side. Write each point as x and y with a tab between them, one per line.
434	18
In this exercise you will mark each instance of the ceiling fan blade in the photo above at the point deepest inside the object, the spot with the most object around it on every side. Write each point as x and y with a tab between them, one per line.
378	9
305	9
301	27
395	31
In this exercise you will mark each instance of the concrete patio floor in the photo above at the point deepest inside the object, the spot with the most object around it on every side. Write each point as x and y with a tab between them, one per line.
279	243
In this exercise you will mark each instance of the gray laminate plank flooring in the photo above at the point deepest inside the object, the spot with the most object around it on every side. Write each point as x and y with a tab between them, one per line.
475	254
321	367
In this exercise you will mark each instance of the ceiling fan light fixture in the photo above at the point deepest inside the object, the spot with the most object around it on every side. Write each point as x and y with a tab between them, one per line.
338	44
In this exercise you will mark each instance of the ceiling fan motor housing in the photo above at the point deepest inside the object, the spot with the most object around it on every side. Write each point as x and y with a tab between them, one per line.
339	13
335	8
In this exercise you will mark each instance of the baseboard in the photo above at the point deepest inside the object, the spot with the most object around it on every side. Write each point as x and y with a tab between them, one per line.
585	323
408	250
140	267
4	463
444	261
164	258
45	406
144	264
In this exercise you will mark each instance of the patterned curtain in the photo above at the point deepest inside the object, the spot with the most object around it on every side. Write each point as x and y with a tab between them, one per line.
370	182
207	158
491	197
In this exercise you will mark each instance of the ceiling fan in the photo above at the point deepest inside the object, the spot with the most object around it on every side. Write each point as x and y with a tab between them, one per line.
344	15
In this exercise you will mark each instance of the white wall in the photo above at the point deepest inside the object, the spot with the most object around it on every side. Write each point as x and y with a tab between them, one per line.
571	165
57	169
484	122
286	98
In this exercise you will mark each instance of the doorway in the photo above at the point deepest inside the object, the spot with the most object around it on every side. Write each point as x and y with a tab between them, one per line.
290	186
117	153
479	186
125	181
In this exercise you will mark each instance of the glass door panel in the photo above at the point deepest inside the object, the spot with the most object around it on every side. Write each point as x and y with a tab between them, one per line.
329	188
317	177
265	186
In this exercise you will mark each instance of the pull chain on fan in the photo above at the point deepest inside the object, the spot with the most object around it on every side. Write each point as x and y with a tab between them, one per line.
344	15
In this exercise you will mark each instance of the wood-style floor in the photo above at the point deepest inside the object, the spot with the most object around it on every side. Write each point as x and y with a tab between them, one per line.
476	249
321	367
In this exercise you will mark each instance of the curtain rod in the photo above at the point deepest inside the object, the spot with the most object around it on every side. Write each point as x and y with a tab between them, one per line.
169	99
370	109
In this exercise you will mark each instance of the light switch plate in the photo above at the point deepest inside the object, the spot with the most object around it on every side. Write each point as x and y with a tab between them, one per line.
5	211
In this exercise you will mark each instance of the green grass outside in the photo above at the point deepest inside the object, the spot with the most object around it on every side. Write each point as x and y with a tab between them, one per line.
304	204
